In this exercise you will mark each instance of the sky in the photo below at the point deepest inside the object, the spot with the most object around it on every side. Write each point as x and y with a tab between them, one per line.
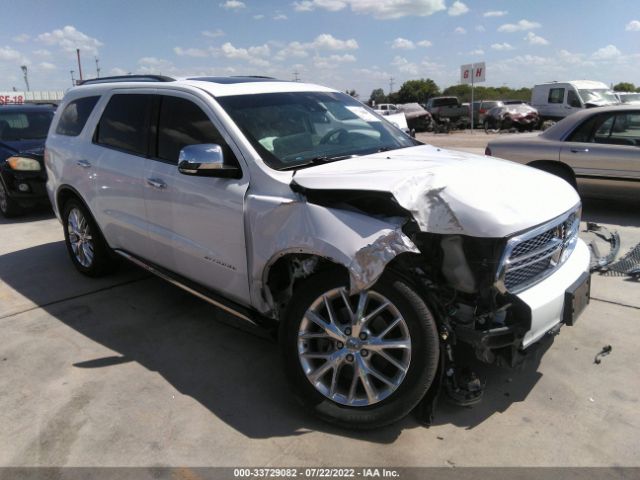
344	44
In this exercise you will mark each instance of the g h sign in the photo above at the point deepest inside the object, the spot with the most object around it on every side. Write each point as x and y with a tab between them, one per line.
472	73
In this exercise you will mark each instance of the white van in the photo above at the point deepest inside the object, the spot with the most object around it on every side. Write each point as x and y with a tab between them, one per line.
556	100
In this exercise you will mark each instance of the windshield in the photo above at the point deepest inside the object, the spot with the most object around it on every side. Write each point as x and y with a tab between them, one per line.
598	96
296	129
16	126
630	97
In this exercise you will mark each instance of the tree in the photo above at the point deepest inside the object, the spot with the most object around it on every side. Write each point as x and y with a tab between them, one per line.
377	96
417	91
463	92
624	87
352	93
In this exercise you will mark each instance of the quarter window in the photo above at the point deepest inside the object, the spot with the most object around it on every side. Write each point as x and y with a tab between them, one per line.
124	123
183	123
75	115
556	95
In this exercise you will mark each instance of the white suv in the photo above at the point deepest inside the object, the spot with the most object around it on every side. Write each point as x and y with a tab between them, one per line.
297	209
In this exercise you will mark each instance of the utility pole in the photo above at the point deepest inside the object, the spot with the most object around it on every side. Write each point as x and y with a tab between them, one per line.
79	64
26	78
73	80
97	68
296	76
390	85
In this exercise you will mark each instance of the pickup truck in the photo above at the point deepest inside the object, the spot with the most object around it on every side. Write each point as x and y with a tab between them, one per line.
448	110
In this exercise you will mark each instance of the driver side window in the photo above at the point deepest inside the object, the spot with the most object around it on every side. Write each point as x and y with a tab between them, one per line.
181	123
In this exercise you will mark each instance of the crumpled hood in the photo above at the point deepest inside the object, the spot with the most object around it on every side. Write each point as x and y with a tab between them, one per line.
451	192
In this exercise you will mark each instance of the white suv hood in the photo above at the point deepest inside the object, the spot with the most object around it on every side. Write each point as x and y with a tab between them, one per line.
451	192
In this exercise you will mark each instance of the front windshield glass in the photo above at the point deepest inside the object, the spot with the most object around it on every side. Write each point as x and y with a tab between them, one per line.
16	126
630	97
598	96
296	129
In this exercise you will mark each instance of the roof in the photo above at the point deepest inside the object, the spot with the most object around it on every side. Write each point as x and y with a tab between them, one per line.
586	84
216	86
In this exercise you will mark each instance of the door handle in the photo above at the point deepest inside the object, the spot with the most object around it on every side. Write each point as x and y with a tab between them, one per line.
83	163
156	183
579	150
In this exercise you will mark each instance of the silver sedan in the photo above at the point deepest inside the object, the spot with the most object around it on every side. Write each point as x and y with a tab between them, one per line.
596	150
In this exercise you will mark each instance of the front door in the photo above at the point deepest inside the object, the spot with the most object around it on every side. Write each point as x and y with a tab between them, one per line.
196	224
607	145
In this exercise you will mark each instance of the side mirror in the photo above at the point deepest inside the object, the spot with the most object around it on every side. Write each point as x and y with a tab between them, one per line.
205	160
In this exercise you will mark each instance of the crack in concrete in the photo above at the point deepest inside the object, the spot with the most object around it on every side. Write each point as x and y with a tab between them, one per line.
615	303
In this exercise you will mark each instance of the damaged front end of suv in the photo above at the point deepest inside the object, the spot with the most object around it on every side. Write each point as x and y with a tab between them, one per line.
472	281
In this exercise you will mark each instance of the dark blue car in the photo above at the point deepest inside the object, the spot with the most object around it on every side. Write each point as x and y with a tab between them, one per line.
23	131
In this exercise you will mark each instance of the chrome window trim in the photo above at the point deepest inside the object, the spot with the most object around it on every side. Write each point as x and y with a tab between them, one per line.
566	246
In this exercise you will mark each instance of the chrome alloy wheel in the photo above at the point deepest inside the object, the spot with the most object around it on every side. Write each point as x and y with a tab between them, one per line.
355	350
80	237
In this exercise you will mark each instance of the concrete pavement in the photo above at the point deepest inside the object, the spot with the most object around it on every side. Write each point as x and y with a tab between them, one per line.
130	371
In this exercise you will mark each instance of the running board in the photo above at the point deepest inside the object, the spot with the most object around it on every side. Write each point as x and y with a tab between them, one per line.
251	317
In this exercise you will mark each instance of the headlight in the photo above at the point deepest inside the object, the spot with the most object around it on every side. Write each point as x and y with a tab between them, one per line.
24	164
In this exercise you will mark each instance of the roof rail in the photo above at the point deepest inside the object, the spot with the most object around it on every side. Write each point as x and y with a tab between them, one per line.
127	78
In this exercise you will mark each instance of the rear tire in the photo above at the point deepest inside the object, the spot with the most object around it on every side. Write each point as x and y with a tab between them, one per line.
488	128
85	244
347	393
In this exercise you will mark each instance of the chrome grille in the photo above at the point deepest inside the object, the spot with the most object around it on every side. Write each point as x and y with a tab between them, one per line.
536	254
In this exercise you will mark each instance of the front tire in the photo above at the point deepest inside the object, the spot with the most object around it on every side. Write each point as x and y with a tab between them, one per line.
360	361
87	248
8	206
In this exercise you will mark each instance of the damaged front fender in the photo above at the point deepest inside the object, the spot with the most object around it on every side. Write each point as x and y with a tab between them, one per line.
362	244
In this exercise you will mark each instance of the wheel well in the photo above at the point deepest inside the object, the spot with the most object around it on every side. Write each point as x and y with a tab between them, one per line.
64	195
283	275
556	168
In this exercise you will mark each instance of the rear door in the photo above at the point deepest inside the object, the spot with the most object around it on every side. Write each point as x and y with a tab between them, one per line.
196	224
605	145
118	157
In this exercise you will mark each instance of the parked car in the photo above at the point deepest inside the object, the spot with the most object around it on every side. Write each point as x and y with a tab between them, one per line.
481	107
631	98
294	208
23	129
597	150
556	100
418	118
521	117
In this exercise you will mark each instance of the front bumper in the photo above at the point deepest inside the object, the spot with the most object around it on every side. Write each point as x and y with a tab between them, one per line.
530	315
546	299
35	192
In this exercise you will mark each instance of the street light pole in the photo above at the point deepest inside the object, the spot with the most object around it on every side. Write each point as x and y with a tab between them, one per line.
26	78
73	80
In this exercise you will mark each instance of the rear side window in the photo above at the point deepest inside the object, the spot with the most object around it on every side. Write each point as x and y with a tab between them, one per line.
183	123
556	95
75	115
124	123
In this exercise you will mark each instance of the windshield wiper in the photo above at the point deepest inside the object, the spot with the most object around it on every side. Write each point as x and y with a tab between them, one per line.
320	160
